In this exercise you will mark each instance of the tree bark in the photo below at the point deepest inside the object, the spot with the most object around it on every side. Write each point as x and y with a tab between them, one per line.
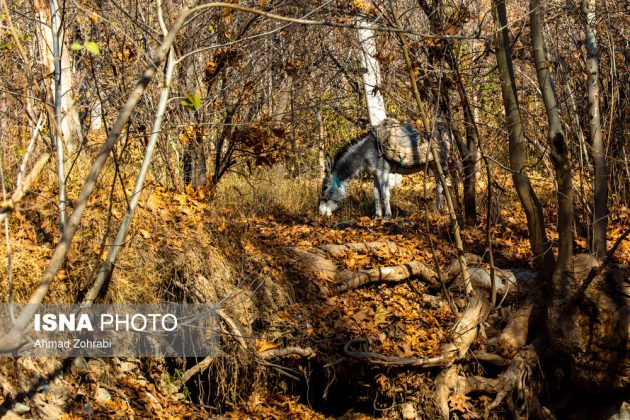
470	159
468	164
194	158
543	257
559	153
600	213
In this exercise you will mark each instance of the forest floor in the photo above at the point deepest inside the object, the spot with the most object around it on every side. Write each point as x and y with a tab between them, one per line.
182	246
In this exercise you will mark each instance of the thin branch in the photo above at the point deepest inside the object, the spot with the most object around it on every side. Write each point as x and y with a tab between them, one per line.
195	370
29	149
329	23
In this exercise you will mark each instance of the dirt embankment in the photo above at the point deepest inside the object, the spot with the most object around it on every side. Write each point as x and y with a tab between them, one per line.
292	344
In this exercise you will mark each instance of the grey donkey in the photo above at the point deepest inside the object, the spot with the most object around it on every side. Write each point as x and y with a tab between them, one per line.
365	155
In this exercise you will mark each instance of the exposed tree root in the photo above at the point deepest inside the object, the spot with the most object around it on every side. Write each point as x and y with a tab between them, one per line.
484	356
513	379
381	359
464	333
198	368
514	335
504	280
287	351
454	269
449	382
326	271
236	332
350	279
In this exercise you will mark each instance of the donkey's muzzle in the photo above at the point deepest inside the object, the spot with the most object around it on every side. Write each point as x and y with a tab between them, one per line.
327	207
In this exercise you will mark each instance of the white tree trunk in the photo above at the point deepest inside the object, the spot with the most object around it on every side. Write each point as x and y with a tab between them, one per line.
96	116
371	76
70	125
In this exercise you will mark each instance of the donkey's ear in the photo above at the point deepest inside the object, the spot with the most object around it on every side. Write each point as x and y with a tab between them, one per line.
328	165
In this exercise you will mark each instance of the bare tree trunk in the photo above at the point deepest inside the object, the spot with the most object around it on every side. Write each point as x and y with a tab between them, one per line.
543	257
56	26
436	158
57	60
194	158
600	214
559	152
371	77
468	148
470	159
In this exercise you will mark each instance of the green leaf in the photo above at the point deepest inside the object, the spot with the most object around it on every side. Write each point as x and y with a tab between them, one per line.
191	101
76	46
196	101
92	48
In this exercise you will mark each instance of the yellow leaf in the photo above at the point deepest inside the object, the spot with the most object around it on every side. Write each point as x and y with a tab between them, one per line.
262	345
181	199
364	6
381	315
459	402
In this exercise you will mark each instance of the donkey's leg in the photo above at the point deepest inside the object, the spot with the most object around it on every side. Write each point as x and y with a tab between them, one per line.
383	175
439	189
385	195
378	213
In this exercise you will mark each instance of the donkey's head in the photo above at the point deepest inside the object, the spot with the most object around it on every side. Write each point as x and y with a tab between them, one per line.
333	191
